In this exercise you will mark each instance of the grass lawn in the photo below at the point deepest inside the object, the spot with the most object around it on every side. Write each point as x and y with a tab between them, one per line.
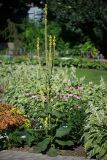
92	75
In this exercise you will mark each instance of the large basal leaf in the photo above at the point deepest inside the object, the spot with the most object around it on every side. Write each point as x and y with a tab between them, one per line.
29	140
42	146
52	152
64	143
62	131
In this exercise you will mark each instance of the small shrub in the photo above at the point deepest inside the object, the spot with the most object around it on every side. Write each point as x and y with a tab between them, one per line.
85	50
11	117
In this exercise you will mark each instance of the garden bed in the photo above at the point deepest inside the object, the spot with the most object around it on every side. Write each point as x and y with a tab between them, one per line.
77	151
60	109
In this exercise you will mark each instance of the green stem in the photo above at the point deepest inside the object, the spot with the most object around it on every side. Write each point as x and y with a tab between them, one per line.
46	46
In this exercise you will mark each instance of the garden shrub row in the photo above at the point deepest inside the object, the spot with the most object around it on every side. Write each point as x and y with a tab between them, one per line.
82	63
61	109
78	62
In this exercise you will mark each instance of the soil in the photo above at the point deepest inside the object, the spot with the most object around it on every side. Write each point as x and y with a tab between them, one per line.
77	151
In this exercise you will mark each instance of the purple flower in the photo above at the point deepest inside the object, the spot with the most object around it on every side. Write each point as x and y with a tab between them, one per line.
77	97
66	96
34	122
79	88
77	107
70	95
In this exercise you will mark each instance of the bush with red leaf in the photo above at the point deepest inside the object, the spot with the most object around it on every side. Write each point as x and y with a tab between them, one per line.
11	116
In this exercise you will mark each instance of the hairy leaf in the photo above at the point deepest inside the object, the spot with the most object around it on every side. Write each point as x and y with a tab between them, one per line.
42	146
62	131
52	151
64	143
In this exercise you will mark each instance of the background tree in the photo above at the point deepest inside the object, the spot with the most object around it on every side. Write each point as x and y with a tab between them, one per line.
13	10
81	19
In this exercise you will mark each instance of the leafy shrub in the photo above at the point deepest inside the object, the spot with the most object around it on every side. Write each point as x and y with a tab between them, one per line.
52	106
95	130
87	50
57	105
10	117
63	48
31	31
82	63
64	61
19	137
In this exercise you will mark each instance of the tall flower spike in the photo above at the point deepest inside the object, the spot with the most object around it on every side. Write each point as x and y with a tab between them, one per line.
37	44
54	41
46	45
38	47
50	45
50	51
54	45
46	10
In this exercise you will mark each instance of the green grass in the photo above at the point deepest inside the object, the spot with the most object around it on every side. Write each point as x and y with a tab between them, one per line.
92	75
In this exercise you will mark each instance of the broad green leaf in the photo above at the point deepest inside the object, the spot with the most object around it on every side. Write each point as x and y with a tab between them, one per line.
62	131
52	152
64	143
42	146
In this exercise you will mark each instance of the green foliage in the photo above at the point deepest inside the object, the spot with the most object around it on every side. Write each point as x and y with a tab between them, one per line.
80	62
31	31
64	61
64	143
61	120
95	130
18	137
81	19
42	146
10	34
56	101
49	104
63	48
58	104
62	131
87	50
52	151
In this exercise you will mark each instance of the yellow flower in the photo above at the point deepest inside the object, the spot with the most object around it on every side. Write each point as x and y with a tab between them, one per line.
27	123
16	111
46	122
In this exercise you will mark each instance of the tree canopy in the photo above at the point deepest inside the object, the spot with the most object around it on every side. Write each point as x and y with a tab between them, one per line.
15	10
82	19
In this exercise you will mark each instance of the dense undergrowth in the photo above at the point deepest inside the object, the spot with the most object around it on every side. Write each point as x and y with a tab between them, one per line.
78	62
60	107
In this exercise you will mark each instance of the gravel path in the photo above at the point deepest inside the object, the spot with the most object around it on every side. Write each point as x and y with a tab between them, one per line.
18	155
